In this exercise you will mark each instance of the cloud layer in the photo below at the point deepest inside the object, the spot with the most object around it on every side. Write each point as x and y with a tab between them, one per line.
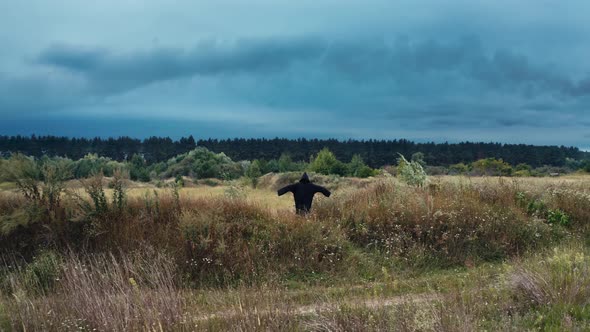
439	74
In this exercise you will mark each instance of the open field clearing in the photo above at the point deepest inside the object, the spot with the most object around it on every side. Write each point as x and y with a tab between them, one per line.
457	254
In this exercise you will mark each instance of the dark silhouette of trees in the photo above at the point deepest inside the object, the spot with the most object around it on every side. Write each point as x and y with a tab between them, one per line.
375	153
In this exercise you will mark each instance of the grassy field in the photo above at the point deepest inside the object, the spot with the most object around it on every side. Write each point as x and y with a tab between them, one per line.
460	254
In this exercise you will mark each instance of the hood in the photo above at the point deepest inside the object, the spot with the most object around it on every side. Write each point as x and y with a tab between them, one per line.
304	178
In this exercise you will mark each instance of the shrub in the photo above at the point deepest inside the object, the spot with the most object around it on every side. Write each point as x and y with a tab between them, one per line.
326	163
201	163
558	217
491	167
357	168
254	172
286	164
572	201
411	172
459	168
91	164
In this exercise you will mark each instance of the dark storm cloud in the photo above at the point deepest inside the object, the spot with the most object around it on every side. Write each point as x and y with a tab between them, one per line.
126	71
385	68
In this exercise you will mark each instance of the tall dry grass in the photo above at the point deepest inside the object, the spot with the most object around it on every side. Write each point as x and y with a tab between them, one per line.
130	292
220	240
445	223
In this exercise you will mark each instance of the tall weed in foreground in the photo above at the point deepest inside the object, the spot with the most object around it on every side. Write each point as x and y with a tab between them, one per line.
562	278
132	292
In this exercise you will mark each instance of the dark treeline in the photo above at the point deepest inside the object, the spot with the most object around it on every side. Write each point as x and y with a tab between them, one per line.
376	153
154	149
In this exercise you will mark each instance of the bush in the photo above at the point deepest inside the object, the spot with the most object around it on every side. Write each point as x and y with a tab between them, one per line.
491	167
558	217
459	168
92	164
411	172
326	163
287	165
357	168
201	163
254	172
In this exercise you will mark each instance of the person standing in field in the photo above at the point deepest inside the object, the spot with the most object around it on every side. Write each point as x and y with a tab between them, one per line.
303	192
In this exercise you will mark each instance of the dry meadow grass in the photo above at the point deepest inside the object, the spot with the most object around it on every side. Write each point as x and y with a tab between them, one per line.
461	254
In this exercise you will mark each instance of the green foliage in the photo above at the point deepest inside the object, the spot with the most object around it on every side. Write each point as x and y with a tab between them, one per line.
418	157
40	182
326	163
272	166
573	164
586	166
558	217
411	172
35	278
522	170
459	168
119	197
201	163
43	272
96	192
21	218
555	281
539	208
358	168
491	167
286	164
98	215
179	180
138	170
93	164
254	172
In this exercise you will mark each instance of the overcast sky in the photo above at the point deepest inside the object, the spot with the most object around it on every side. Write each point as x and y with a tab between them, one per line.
508	71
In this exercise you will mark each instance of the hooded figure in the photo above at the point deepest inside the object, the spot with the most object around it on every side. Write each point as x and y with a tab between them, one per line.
303	193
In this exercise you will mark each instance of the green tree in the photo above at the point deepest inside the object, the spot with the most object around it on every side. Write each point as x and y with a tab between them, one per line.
138	170
358	168
272	166
254	172
459	168
326	163
285	163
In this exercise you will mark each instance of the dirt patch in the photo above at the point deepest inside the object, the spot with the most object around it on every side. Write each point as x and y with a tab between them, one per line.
314	309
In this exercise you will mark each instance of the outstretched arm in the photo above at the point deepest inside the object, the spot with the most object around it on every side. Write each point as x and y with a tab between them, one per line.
285	190
322	190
